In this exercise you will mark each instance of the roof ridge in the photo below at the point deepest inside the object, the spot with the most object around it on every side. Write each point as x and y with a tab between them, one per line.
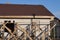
24	4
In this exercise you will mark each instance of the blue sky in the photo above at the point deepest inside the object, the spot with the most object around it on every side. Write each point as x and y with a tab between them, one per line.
51	5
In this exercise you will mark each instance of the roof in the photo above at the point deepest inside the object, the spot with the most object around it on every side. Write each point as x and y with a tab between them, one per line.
23	10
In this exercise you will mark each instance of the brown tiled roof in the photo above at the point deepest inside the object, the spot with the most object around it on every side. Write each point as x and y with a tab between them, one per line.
23	10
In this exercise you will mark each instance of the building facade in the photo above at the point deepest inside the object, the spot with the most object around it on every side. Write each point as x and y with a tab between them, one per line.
26	15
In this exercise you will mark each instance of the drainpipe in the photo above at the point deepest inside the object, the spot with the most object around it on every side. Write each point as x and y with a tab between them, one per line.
33	16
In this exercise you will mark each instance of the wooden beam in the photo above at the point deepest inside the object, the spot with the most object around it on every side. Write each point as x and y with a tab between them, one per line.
26	17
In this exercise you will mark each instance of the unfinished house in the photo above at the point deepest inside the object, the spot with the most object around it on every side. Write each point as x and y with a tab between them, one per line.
25	22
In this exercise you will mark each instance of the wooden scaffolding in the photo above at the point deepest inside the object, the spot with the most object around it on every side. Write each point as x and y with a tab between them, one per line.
27	34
